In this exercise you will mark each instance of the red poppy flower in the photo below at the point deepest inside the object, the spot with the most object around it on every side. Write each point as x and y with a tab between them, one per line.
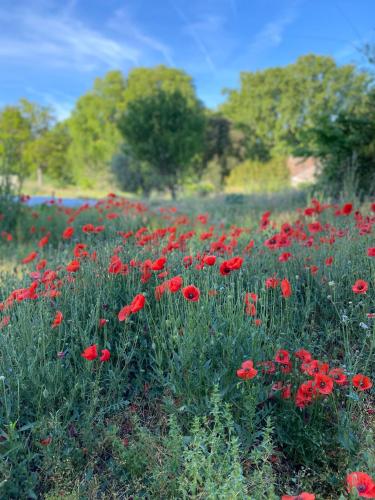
361	382
187	260
30	257
58	319
124	313
158	264
41	264
272	282
315	227
88	228
303	355
68	233
282	356
43	241
234	263
73	266
314	367
305	394
191	293
362	482
90	353
209	260
250	309
174	284
284	257
347	209
136	305
360	287
371	252
323	383
286	288
302	496
329	261
338	376
247	370
224	268
105	355
46	441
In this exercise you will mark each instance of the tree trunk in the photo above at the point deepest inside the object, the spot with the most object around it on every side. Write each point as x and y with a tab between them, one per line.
172	189
39	176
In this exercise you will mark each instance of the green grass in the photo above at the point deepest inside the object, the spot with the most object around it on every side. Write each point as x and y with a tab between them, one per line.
166	416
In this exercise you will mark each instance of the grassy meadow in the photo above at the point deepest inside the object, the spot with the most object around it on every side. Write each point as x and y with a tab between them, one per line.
218	348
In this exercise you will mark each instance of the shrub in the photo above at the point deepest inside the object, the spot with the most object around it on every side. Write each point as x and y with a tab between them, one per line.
256	176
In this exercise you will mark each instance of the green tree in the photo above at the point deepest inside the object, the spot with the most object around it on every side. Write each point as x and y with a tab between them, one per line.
275	107
47	154
133	175
166	131
143	82
217	143
15	133
93	128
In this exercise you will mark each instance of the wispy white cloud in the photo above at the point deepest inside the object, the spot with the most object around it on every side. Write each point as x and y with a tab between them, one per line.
272	34
121	22
193	29
62	41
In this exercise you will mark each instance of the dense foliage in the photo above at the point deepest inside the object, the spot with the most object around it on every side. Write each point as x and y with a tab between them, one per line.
217	350
312	107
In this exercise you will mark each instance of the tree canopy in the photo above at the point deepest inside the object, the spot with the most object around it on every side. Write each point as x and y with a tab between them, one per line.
277	105
166	131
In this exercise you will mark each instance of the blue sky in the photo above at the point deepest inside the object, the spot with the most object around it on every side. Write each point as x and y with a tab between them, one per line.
51	50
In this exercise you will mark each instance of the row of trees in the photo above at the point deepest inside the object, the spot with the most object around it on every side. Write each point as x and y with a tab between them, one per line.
150	130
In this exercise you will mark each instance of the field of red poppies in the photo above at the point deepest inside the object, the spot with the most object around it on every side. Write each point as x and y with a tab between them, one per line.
220	349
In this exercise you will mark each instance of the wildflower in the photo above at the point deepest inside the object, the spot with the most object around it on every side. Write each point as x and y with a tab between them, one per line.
305	394
209	260
302	496
191	293
58	319
361	482
73	266
41	264
360	287
286	288
284	257
174	284
329	261
43	241
361	382
68	233
323	383
105	355
315	367
347	209
247	370
338	376
90	353
303	355
46	441
282	356
272	282
371	252
30	257
102	322
136	305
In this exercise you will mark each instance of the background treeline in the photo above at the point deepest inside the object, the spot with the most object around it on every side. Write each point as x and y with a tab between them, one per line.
148	131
